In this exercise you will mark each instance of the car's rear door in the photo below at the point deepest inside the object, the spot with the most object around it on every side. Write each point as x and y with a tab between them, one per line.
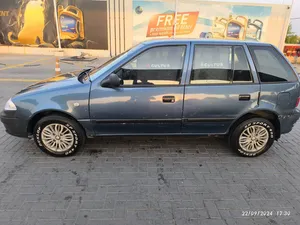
220	87
280	86
277	77
151	97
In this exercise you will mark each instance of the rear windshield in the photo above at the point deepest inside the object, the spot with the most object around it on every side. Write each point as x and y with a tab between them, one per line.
271	66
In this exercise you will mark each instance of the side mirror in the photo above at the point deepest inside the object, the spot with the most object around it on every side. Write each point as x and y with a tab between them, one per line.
112	81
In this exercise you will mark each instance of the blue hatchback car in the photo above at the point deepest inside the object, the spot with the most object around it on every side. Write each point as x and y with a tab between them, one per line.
247	92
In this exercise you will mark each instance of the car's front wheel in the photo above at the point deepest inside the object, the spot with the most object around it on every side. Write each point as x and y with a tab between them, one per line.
252	137
58	135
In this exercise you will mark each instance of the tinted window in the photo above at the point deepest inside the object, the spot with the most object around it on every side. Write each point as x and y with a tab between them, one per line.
156	66
241	66
271	66
212	64
118	57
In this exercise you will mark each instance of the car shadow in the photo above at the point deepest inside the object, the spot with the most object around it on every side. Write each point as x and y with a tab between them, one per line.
160	144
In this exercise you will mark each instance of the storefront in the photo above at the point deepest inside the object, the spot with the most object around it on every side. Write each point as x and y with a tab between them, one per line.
108	27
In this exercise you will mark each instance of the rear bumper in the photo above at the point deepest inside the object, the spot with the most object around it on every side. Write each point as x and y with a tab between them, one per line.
13	125
287	122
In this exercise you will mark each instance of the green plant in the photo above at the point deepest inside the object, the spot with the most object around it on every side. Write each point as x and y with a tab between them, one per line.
291	37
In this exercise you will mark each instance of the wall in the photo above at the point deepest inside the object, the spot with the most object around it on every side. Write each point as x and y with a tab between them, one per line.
120	25
109	27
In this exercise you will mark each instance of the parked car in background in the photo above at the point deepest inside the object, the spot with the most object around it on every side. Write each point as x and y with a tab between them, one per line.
245	91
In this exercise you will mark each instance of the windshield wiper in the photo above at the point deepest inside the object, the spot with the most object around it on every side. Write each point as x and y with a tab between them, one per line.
84	73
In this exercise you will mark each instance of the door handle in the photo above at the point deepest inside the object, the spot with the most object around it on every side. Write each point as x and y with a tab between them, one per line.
244	97
168	99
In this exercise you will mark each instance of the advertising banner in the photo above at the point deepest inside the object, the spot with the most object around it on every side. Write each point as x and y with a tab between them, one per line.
196	19
163	24
32	23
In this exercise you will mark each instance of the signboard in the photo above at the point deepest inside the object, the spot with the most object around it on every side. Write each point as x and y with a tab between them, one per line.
197	19
32	23
163	24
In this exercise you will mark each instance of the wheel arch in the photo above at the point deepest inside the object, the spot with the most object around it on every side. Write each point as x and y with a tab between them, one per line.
39	115
262	113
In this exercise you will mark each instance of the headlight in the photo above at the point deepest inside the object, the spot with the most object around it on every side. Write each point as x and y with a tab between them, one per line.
10	106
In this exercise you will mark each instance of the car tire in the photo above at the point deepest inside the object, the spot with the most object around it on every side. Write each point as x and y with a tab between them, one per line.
252	137
58	135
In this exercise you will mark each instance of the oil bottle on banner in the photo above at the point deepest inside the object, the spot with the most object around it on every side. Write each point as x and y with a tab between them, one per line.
71	26
236	28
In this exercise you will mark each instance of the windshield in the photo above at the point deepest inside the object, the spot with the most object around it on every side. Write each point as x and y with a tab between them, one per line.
96	69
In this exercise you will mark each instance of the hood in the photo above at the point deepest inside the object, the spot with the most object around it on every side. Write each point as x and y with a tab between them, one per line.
54	82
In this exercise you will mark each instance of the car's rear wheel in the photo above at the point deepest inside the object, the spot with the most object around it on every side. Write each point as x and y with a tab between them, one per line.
58	135
252	137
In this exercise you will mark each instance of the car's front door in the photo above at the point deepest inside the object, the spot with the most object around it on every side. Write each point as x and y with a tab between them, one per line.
150	100
221	87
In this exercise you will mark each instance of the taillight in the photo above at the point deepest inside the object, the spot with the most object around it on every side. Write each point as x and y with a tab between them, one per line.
298	102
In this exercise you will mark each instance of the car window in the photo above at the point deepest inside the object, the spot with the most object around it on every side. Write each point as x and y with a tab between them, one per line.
212	65
155	66
241	66
270	65
94	71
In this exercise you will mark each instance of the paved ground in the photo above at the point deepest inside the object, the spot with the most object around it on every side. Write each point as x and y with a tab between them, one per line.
37	67
145	180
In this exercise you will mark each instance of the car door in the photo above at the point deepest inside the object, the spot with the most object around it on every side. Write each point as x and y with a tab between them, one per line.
279	82
150	100
220	88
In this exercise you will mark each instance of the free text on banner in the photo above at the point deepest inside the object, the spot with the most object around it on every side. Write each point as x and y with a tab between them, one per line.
163	24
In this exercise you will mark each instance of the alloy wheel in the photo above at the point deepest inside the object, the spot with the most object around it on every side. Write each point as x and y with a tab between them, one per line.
57	137
254	138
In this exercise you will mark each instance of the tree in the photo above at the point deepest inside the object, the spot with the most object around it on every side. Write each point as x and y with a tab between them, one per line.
291	37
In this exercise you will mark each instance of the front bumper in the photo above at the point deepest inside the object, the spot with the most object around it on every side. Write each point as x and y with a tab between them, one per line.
287	122
13	125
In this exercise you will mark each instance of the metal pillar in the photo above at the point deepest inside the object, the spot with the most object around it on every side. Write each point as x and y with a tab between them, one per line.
56	21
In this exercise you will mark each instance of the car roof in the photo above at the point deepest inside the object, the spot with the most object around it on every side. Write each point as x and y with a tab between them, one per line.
199	41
